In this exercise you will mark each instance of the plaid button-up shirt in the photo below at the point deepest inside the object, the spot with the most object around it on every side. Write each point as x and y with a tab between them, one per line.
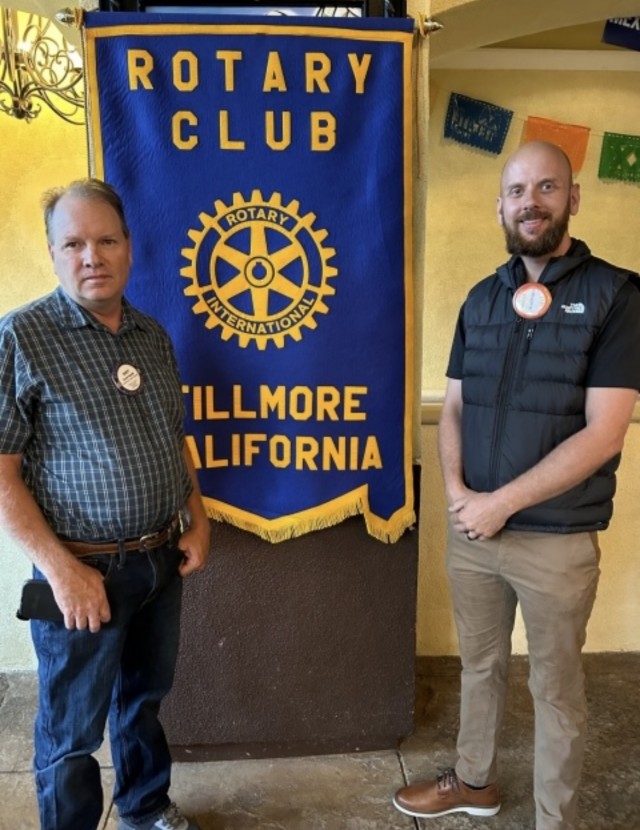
101	464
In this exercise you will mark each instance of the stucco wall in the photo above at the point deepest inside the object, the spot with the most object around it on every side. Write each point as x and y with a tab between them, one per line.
34	156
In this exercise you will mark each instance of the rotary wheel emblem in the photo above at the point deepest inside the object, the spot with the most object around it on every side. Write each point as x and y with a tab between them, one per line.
258	270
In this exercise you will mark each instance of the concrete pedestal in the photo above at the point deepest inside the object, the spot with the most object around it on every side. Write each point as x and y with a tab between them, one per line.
304	647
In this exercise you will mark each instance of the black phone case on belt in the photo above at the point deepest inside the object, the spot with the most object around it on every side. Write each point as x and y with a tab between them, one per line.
37	602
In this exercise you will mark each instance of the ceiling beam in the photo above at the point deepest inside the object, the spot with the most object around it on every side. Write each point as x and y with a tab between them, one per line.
475	23
558	60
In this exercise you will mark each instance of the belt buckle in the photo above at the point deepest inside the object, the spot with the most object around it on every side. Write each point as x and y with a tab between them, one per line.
168	530
144	540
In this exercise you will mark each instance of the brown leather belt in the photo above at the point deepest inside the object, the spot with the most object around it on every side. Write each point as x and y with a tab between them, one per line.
148	542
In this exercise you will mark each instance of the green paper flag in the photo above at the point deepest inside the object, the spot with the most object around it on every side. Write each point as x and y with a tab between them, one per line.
620	157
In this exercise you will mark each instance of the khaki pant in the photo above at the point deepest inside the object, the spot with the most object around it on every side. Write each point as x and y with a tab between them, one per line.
554	578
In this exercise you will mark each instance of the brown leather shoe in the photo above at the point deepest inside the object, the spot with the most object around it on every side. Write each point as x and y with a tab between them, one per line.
447	794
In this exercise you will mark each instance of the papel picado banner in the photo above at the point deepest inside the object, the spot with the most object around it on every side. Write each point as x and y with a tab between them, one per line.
265	166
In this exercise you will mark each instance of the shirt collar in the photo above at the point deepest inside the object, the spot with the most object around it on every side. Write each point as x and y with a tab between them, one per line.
73	316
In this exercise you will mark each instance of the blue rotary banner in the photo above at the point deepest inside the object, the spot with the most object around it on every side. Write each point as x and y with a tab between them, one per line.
265	164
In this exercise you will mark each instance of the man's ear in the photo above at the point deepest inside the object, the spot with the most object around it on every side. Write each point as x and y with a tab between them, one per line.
574	199
499	211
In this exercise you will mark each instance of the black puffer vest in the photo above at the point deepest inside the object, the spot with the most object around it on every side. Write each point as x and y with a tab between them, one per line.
523	385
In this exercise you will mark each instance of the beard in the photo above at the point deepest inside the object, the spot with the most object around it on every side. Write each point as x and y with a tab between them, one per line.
518	245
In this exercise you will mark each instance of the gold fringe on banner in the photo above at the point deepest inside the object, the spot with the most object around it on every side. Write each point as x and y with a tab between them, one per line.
319	517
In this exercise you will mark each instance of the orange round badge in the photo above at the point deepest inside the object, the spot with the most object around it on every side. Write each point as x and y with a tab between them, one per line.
531	300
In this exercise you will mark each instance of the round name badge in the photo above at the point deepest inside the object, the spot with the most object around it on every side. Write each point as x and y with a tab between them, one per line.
127	378
531	300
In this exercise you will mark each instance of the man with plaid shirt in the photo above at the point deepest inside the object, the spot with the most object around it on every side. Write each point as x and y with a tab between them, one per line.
98	488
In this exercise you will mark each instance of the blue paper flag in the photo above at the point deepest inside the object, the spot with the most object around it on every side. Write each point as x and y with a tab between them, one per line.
622	31
477	123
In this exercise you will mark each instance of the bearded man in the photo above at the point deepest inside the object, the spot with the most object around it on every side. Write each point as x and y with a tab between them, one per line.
542	381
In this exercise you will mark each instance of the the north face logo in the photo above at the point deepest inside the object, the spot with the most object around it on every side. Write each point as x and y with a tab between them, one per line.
574	308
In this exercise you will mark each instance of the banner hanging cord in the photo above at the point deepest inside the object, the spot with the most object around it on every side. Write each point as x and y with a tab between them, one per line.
425	26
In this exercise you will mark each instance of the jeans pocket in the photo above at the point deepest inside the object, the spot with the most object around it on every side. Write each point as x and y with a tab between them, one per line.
102	562
174	556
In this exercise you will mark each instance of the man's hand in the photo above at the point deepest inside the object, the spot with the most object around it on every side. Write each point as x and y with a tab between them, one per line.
81	597
194	544
479	515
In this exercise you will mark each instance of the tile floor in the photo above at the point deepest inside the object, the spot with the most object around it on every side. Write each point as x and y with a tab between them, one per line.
352	791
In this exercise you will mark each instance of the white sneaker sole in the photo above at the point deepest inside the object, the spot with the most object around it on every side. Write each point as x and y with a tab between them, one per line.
472	811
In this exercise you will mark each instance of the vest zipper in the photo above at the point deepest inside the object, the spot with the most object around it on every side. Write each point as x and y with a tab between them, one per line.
530	332
503	395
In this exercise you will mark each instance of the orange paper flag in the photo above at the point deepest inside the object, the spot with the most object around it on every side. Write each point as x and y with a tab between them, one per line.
569	137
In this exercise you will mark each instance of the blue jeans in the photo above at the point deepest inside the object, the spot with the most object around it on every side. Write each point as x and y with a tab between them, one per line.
122	672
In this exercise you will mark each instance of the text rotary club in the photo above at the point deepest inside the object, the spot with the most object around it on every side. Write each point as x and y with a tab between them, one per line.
188	127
